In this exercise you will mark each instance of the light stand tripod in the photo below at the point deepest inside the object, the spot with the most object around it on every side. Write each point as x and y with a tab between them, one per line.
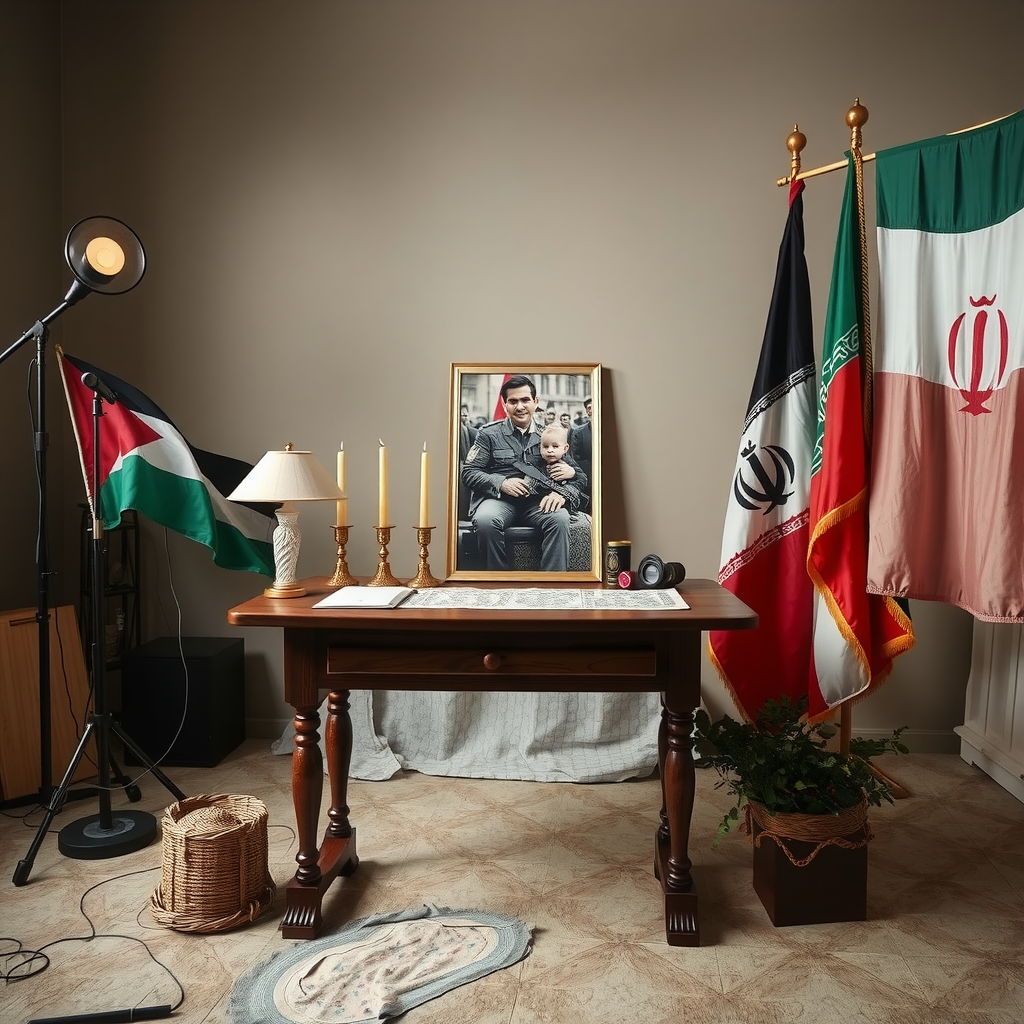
106	256
104	834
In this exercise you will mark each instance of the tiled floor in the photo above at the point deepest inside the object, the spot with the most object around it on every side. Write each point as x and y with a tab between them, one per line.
944	942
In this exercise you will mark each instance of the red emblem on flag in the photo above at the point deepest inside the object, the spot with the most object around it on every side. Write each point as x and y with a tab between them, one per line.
973	391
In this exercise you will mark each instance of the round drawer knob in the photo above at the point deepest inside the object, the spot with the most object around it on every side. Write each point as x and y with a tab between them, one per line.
492	661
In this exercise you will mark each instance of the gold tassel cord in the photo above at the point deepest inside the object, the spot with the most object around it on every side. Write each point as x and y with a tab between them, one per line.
856	118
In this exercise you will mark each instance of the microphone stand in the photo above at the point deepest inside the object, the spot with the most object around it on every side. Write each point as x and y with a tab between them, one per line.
103	835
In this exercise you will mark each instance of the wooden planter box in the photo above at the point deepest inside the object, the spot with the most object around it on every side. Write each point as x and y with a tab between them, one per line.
832	887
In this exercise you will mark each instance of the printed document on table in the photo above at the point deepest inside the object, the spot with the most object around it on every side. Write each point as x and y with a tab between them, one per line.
543	599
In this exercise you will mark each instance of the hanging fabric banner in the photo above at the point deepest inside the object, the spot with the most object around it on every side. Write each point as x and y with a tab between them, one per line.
947	484
856	635
147	465
764	541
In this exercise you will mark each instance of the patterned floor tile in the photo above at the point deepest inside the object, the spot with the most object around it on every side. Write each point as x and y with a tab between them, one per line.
942	943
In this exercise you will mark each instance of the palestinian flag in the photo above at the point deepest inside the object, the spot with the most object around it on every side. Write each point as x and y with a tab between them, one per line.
856	635
764	541
947	484
146	465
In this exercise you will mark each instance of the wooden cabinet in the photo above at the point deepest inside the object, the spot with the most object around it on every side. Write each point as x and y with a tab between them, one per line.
20	760
992	736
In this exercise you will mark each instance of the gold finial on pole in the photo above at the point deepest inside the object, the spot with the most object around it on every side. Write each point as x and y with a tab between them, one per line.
856	118
795	144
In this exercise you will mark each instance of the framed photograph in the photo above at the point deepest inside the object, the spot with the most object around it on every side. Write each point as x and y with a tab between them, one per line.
524	472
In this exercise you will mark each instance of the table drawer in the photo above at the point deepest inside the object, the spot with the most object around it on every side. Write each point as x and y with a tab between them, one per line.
495	660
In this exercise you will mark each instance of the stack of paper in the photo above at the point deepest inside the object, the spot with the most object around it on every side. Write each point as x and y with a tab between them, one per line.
366	597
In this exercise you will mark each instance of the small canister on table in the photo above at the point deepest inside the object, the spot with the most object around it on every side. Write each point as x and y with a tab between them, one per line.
616	560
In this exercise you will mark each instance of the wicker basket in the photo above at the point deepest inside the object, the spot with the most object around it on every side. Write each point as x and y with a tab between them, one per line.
215	873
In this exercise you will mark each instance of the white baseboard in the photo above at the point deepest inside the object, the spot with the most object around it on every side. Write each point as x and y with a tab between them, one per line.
919	741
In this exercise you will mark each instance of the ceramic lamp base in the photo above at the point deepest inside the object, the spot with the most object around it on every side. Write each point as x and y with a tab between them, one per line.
284	590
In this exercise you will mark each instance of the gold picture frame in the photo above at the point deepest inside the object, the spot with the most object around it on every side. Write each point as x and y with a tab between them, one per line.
512	542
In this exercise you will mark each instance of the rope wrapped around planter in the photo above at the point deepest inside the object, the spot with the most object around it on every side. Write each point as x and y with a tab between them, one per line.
822	829
215	873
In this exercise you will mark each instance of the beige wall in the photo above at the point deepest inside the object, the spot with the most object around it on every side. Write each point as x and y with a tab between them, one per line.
339	199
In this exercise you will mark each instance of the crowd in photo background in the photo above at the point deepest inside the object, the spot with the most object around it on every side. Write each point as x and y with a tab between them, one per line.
561	398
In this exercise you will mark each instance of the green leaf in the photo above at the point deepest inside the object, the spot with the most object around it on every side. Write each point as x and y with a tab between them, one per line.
781	762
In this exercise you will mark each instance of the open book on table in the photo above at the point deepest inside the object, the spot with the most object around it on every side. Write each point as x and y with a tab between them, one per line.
366	597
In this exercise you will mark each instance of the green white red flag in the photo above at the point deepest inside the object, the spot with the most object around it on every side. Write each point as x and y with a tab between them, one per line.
856	635
147	465
947	484
764	541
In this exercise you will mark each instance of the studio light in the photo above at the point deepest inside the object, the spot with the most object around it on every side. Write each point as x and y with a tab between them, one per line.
105	256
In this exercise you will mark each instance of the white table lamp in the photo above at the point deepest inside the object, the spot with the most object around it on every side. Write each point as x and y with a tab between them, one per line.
287	477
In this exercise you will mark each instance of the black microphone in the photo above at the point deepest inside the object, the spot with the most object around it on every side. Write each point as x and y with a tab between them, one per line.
91	381
110	1016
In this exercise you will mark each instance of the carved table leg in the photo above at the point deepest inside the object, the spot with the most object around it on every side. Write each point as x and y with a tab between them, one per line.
663	832
302	906
305	670
672	859
339	757
307	790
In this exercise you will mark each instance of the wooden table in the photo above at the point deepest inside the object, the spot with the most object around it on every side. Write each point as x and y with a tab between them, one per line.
473	650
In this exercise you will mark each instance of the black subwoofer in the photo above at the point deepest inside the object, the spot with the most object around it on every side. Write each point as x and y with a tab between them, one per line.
153	699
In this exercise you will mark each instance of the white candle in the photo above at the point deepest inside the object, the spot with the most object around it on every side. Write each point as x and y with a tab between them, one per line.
424	487
342	505
382	499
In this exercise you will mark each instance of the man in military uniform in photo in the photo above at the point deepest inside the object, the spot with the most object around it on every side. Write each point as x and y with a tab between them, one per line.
505	454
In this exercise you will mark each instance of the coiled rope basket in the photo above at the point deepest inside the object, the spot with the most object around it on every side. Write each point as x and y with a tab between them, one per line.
215	872
820	829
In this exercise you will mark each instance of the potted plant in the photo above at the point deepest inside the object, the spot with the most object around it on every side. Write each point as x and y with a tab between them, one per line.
804	807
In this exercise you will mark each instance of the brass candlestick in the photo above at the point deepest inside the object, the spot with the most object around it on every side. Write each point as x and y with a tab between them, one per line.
383	577
423	577
342	577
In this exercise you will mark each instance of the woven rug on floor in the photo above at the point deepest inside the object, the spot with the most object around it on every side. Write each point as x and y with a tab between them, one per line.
379	967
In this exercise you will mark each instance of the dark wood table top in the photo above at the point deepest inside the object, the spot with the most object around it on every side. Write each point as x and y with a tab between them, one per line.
711	607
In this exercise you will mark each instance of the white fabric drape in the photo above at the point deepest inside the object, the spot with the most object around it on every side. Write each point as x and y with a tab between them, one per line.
543	737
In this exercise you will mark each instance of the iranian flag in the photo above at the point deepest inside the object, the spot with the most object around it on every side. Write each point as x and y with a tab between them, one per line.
856	635
764	541
146	465
947	485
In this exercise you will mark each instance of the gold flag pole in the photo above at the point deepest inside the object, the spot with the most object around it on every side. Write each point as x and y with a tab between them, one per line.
78	438
856	118
840	164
